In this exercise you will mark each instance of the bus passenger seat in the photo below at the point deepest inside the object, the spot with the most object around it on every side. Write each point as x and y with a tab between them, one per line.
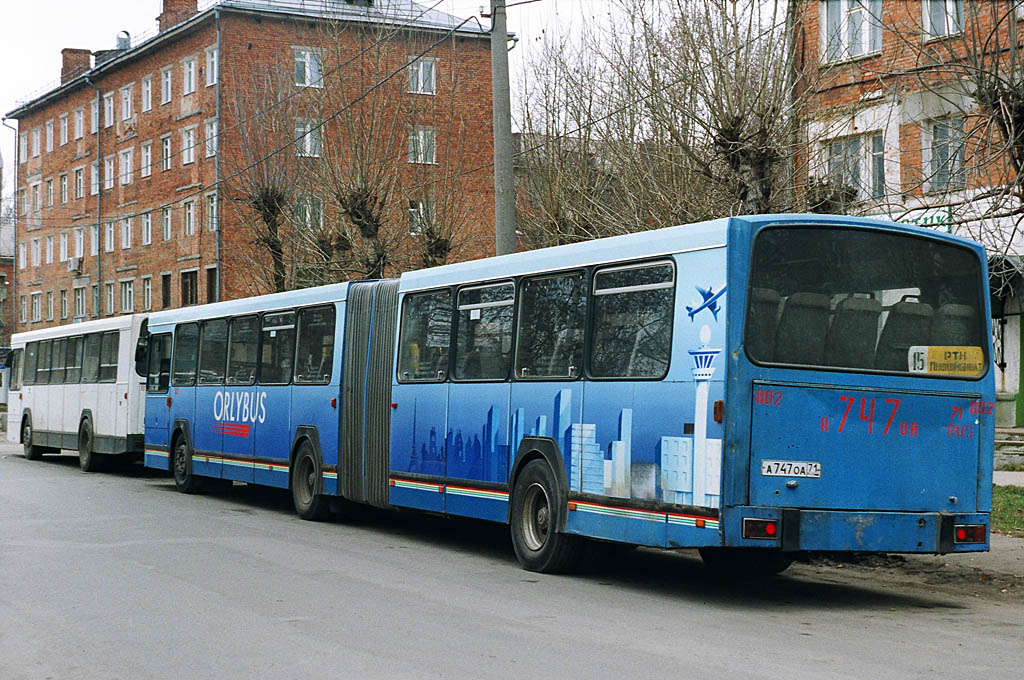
800	337
954	325
908	324
850	342
762	322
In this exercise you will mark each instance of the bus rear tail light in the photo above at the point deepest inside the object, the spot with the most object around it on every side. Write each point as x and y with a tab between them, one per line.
760	528
168	402
719	411
969	533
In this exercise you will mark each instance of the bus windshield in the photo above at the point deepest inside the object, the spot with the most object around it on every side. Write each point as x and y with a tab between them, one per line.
868	300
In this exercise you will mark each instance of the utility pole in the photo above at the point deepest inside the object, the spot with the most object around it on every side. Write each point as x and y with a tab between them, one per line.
504	181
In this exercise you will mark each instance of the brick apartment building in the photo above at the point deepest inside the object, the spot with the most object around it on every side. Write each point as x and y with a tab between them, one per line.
893	124
122	195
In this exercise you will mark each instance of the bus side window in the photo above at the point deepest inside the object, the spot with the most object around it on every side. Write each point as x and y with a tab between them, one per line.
91	359
141	349
43	367
108	356
484	347
632	321
16	364
243	350
31	362
57	362
552	316
314	354
213	349
73	362
158	377
186	355
425	337
277	348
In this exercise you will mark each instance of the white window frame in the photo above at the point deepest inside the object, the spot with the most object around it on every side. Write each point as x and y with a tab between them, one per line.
49	136
94	242
957	175
188	75
147	228
37	142
127	295
22	255
49	249
79	242
165	153
166	229
94	179
147	93
63	303
166	84
211	137
417	67
37	307
126	233
420	151
22	147
211	212
421	213
64	246
64	129
79	297
108	172
64	188
188	218
952	11
108	109
146	160
49	305
147	293
308	138
49	192
36	252
311	64
94	116
126	102
859	21
188	145
126	160
79	123
109	286
79	182
108	237
212	65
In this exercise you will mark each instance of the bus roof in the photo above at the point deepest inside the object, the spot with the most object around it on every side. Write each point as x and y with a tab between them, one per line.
70	329
335	292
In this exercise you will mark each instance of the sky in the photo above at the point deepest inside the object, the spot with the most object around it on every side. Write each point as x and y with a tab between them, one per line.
32	58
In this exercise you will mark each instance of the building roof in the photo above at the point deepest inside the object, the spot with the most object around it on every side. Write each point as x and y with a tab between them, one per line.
384	12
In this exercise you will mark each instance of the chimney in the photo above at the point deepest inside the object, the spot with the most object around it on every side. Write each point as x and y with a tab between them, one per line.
75	63
176	11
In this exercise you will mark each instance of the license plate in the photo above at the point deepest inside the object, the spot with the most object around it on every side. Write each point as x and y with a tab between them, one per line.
790	468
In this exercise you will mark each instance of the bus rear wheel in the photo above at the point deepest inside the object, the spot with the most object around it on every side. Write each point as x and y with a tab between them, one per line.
535	518
88	460
32	452
745	562
305	475
182	466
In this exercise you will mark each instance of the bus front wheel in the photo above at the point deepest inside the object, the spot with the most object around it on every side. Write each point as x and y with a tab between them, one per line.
88	460
183	477
32	452
305	475
535	518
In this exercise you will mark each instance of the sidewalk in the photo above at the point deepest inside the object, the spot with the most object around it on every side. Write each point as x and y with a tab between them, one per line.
1008	478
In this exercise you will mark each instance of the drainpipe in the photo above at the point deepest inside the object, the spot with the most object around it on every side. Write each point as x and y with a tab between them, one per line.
13	297
97	307
216	162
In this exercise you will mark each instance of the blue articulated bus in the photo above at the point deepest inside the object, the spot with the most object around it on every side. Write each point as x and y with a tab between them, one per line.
751	386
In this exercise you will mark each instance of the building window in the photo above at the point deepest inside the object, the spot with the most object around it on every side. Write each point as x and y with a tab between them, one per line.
126	233
309	210
127	296
947	155
63	189
189	292
852	28
165	153
147	93
79	123
146	166
843	163
79	242
189	76
36	248
63	304
109	289
165	221
49	193
108	240
24	309
212	66
307	138
49	250
37	306
64	246
108	109
165	85
36	142
422	145
126	166
211	138
147	293
22	202
188	146
147	228
943	17
23	147
64	129
189	213
211	212
421	75
165	291
421	215
877	166
95	117
49	305
21	255
308	68
49	136
94	179
126	103
108	172
79	303
211	284
94	245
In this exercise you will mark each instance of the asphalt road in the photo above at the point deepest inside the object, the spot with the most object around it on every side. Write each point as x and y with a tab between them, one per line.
116	575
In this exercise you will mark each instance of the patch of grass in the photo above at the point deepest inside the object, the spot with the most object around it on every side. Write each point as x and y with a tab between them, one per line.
1008	510
1012	467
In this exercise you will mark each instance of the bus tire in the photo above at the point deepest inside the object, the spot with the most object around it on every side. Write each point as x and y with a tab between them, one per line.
304	482
745	562
535	518
32	452
88	460
181	465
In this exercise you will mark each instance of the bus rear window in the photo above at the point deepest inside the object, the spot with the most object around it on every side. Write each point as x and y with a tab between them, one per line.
861	299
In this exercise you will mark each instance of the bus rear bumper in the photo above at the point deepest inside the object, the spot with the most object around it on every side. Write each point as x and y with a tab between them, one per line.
837	530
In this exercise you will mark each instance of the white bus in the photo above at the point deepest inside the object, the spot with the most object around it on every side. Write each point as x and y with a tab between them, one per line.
77	387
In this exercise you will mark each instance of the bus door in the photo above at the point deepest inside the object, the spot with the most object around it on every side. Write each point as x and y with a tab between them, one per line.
158	383
233	419
419	416
184	364
477	439
315	394
268	408
208	434
15	371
